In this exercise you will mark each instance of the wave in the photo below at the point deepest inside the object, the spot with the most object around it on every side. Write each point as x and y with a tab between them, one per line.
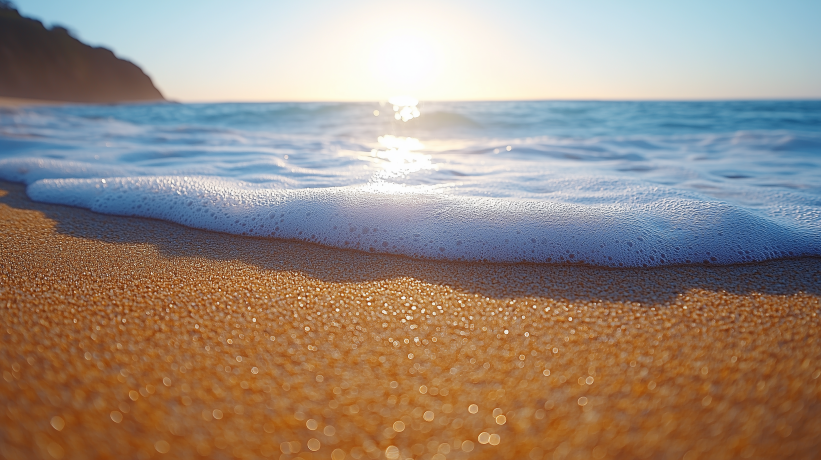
609	184
419	223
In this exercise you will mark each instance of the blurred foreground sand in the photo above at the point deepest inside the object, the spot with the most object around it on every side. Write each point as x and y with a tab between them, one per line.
134	338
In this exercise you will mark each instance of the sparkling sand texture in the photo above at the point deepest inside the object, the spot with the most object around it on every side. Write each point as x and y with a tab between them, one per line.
134	338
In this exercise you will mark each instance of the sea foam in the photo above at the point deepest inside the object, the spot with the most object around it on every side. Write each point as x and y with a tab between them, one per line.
410	222
607	184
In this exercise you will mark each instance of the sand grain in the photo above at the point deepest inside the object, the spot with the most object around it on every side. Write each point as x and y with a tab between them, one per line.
132	338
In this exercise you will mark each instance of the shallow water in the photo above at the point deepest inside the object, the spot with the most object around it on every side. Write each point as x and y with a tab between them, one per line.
604	183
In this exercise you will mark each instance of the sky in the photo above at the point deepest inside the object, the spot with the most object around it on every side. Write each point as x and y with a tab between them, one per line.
364	50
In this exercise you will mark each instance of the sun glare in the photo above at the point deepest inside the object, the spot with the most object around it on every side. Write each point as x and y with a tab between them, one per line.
404	107
405	62
398	158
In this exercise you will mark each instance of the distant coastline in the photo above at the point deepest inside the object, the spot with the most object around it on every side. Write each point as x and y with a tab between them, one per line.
50	65
13	102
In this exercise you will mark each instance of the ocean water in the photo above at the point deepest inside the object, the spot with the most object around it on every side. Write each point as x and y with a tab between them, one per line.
621	184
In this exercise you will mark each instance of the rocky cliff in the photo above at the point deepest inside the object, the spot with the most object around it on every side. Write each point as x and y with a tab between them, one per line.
41	63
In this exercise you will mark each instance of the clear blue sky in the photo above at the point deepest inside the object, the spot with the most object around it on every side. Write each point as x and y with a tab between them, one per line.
203	50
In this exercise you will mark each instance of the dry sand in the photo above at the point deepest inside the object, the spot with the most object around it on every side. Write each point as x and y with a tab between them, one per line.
133	338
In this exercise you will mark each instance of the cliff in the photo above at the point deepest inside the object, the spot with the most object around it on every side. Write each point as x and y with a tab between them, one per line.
41	63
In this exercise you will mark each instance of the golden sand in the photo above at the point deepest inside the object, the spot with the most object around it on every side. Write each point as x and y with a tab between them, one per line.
14	102
133	338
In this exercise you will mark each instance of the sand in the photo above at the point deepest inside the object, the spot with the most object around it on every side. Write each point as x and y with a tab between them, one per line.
134	338
14	102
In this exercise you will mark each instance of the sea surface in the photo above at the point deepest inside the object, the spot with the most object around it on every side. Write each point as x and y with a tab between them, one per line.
621	184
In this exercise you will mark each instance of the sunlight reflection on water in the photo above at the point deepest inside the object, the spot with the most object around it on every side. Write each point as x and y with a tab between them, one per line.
399	158
404	107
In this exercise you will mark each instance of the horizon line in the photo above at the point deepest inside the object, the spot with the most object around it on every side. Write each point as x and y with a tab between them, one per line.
362	101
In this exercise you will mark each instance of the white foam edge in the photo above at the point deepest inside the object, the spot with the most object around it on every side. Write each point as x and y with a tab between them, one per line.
415	223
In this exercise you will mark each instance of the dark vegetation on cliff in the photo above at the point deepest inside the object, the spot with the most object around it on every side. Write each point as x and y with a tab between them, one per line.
41	63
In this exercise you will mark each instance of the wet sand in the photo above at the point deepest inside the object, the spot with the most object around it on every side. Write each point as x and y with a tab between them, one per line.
134	338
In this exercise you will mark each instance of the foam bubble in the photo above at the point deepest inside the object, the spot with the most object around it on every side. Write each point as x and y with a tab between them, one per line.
421	223
614	184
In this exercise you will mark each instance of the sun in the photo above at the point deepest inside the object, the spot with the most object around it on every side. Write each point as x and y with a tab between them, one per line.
405	61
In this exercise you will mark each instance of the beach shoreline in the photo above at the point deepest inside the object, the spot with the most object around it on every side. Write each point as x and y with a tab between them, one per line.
137	338
15	102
